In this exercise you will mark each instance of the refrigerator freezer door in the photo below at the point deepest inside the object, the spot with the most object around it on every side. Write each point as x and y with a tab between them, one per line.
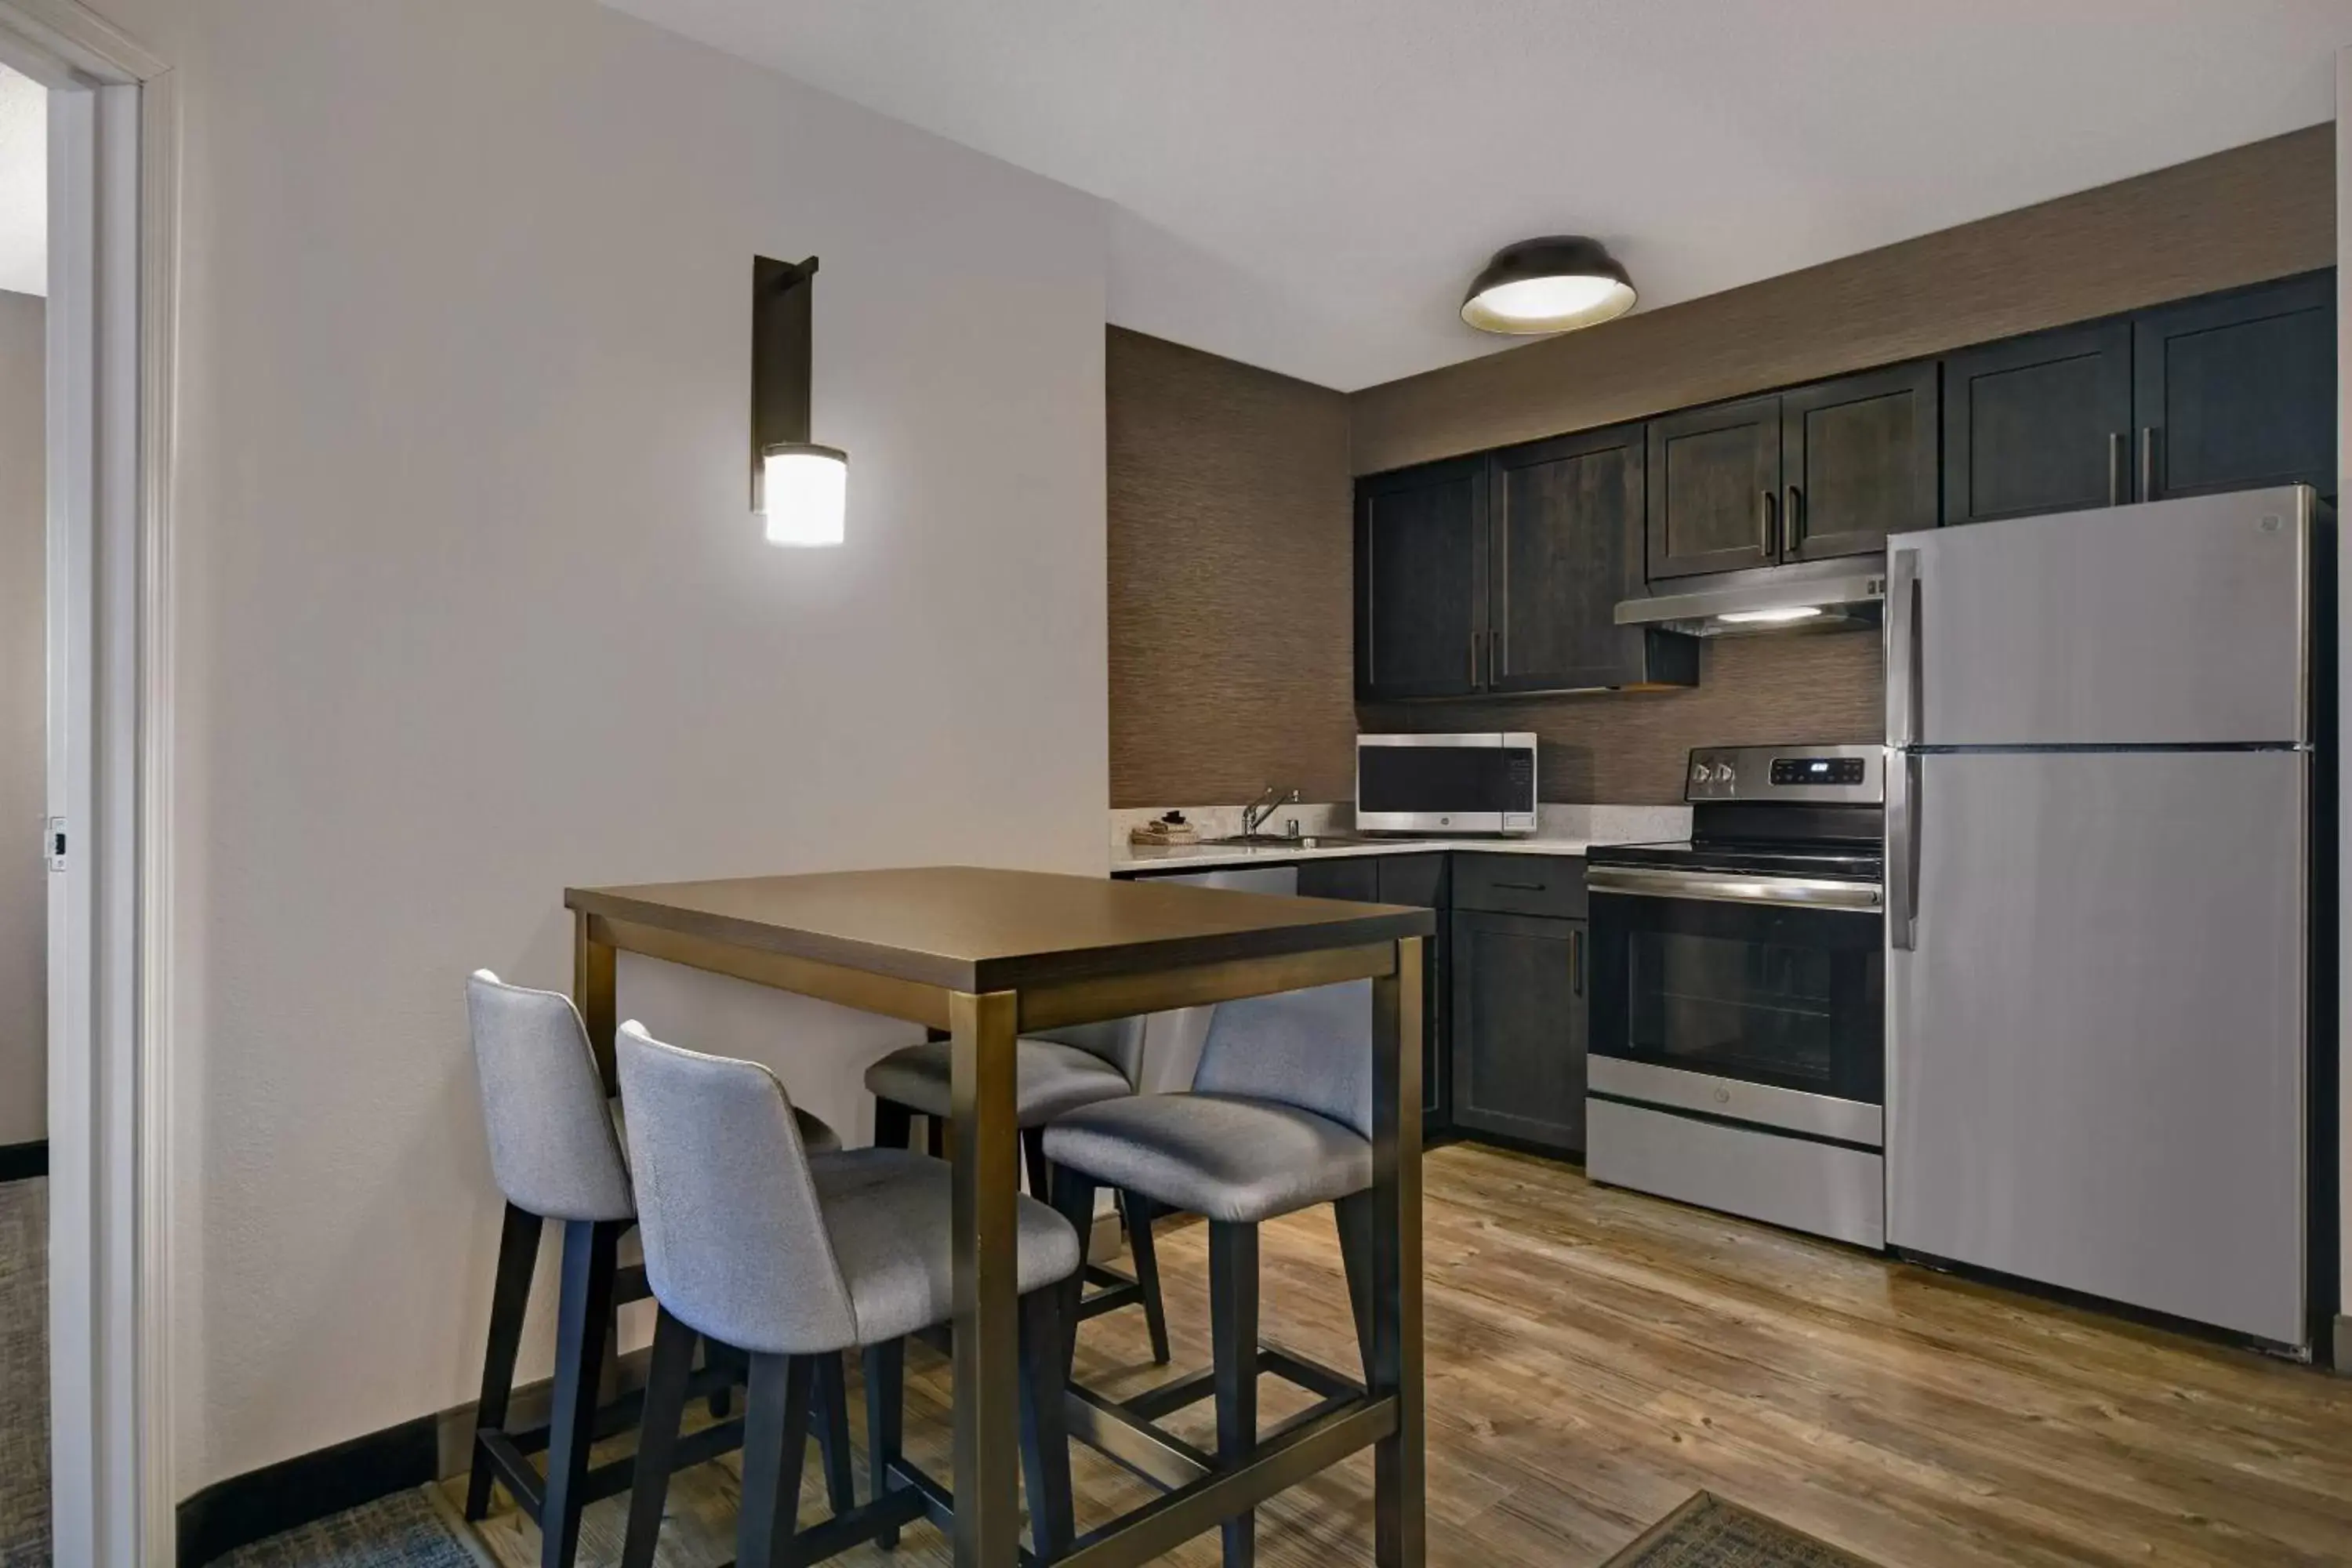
2177	623
2095	1070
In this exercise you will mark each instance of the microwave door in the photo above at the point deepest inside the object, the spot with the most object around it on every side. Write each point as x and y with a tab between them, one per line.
1445	784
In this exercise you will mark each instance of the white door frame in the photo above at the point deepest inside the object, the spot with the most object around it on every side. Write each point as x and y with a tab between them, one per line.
113	179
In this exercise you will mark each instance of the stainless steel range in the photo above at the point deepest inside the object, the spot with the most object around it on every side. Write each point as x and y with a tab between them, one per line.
1738	994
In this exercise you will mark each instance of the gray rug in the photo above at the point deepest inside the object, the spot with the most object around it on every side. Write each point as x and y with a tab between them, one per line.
24	1374
1709	1532
407	1530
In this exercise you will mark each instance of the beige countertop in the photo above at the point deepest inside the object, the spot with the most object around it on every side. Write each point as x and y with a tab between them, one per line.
1563	830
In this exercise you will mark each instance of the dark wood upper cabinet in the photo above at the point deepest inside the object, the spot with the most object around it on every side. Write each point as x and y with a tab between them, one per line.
1519	1035
1565	546
1420	546
1715	489
2038	423
2236	392
1858	461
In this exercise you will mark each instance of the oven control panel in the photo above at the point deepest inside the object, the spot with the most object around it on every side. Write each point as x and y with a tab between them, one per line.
1842	775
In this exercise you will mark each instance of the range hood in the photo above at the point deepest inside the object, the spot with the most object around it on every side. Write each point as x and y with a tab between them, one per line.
1811	596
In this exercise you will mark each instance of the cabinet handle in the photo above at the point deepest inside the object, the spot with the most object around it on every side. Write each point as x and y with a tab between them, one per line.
1473	659
1796	524
1764	523
2115	461
2148	462
1494	656
1576	960
1521	887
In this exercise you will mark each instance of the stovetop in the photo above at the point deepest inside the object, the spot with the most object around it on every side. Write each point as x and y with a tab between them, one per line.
1846	862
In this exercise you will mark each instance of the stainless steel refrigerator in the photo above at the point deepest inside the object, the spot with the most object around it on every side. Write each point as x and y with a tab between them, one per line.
2109	817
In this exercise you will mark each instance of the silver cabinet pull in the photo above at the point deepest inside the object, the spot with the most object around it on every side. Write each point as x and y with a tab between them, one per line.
1576	960
2148	462
2115	461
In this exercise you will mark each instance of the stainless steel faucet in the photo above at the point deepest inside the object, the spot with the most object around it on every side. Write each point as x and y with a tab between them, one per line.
1269	801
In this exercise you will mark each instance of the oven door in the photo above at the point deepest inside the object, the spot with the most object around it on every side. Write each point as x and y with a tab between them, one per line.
1760	999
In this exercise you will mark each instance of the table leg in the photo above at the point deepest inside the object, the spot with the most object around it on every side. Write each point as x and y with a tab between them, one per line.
987	1263
592	993
1399	1525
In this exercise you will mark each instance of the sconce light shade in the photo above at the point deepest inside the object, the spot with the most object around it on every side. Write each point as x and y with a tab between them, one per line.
803	492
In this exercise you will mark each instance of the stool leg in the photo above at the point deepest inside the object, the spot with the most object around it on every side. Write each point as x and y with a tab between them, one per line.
886	1406
832	1412
666	1379
894	1125
1136	1211
510	1297
1044	1439
1233	1333
935	1135
584	1315
1074	1200
1041	1179
775	1444
1355	1216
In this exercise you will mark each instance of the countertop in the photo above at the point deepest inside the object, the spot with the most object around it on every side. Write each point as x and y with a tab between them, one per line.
1207	857
1564	830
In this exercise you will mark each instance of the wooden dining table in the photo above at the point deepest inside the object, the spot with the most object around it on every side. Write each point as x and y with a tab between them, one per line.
986	955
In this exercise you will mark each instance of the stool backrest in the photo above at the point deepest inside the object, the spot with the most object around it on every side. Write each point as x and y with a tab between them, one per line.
1118	1041
553	1146
1311	1049
735	1239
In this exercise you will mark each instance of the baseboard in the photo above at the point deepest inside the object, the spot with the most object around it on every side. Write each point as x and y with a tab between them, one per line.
20	1162
260	1503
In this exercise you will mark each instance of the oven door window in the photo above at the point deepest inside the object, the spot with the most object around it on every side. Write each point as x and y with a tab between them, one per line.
1760	993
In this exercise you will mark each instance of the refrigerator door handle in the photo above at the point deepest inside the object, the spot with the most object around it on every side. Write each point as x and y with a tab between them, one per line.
1902	849
1903	649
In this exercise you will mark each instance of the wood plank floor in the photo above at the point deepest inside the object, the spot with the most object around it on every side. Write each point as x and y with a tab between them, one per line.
1595	1356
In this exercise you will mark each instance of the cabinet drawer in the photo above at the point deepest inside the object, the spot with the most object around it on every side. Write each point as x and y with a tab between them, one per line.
1520	884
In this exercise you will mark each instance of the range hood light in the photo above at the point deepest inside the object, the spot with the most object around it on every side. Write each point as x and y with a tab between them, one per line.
1769	617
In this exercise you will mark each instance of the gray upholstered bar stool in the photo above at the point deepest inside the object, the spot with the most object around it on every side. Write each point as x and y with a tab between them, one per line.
791	1261
1279	1118
1055	1071
556	1150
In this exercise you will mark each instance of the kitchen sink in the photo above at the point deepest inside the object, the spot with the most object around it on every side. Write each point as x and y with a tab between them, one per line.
1284	840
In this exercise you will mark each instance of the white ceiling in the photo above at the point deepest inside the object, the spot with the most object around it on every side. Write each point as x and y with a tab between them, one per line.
23	185
1309	185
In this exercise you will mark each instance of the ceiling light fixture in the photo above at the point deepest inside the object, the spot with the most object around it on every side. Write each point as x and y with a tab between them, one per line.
1554	284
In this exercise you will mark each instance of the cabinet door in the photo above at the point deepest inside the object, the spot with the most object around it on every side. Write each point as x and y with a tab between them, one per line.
2038	423
1420	881
2237	392
1420	540
1565	546
1519	1029
1355	878
1715	489
1858	459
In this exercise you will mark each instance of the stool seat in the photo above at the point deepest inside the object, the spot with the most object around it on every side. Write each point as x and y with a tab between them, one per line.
890	1211
1050	1079
1224	1157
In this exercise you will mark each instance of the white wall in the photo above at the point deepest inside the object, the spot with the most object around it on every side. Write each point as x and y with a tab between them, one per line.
471	609
23	727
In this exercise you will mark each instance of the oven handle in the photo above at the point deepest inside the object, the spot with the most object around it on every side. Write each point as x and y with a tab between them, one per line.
1715	887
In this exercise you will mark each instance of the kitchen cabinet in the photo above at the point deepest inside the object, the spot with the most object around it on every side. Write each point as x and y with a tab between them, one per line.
1714	487
2038	423
1815	472
1858	461
1418	881
2236	392
1506	579
1421	570
1565	547
1356	877
1519	1032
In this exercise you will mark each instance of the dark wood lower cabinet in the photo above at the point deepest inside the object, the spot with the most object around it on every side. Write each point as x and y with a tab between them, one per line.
1420	882
1519	1031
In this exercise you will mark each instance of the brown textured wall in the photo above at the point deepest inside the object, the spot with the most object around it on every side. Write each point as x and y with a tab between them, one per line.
1230	547
1232	628
2263	210
1630	748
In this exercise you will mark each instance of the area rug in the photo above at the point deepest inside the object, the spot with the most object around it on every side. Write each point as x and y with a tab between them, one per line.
406	1530
1709	1532
24	1374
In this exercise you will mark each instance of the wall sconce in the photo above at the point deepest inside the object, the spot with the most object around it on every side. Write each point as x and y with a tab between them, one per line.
800	487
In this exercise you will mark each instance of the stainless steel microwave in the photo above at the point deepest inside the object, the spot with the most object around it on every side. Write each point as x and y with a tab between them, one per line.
1445	784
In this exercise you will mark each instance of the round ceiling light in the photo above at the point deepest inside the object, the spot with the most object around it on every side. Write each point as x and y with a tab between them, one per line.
1555	284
